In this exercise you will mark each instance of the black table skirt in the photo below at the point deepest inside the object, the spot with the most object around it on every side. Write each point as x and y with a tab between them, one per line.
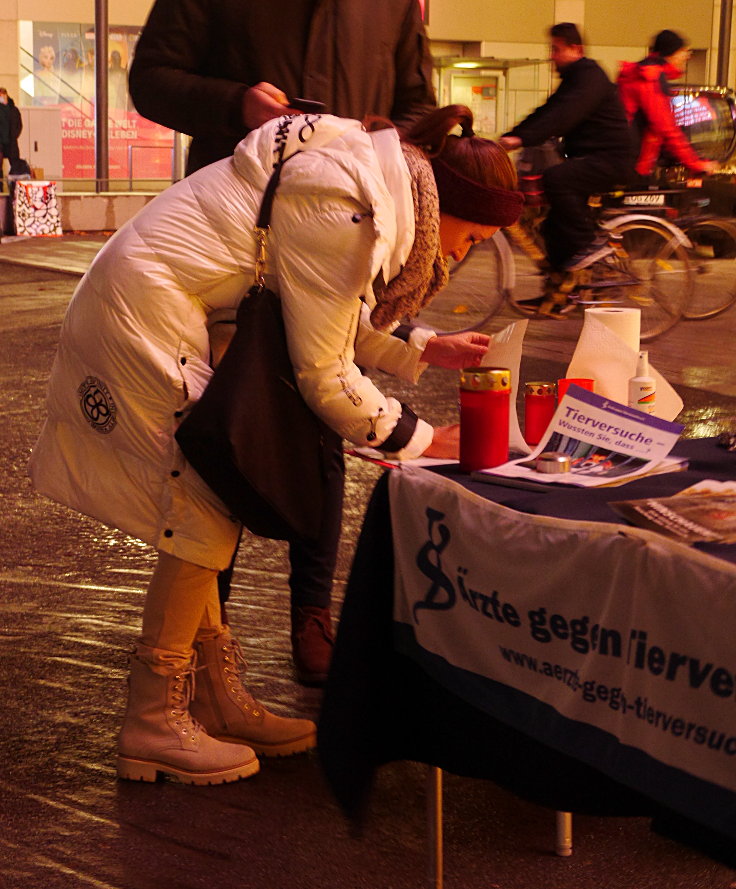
381	706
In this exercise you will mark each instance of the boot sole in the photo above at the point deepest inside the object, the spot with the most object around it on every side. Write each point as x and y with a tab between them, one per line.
147	770
285	748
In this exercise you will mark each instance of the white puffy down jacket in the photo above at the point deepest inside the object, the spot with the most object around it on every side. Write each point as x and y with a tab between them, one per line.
134	350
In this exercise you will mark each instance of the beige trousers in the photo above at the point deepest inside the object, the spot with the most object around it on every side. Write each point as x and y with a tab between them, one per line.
181	602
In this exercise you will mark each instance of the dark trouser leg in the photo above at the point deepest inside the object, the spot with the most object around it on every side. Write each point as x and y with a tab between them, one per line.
312	572
224	579
313	562
569	227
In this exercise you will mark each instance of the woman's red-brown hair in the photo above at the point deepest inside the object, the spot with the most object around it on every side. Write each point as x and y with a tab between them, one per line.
481	160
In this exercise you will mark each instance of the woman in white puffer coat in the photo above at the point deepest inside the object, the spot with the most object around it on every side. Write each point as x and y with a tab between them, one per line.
353	211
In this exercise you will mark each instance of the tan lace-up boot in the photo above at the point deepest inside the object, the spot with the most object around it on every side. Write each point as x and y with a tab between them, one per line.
159	735
230	713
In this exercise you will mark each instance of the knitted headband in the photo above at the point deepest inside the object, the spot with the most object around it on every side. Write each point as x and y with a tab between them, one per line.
470	200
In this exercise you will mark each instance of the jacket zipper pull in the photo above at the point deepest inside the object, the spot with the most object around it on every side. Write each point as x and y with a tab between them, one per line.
374	422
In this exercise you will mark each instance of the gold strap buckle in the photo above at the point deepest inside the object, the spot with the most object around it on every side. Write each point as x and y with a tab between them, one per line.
261	240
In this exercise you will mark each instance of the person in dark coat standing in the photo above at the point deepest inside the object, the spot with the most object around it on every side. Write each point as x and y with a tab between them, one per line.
11	125
585	111
215	69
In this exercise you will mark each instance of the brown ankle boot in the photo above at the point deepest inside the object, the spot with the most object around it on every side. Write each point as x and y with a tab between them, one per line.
311	643
229	712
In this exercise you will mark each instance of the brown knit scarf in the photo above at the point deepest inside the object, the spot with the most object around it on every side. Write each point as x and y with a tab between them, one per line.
425	271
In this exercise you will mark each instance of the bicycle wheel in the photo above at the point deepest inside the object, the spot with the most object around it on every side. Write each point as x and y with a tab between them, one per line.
713	256
658	263
527	250
474	294
528	285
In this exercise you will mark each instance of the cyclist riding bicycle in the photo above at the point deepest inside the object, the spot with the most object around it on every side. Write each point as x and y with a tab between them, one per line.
585	111
645	92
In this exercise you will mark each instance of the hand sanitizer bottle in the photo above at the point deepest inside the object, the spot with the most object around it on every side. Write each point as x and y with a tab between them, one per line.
642	387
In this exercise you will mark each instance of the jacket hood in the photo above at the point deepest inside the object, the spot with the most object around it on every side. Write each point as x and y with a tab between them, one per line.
671	72
255	156
629	72
338	157
648	69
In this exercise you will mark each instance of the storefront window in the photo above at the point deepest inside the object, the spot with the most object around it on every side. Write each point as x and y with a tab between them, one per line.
57	99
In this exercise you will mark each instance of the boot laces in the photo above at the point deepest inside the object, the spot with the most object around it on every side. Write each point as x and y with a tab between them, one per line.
235	666
182	693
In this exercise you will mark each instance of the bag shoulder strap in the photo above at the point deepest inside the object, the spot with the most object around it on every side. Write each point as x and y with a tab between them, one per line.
264	214
263	223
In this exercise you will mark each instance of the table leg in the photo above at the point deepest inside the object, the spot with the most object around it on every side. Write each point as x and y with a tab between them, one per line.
563	834
434	828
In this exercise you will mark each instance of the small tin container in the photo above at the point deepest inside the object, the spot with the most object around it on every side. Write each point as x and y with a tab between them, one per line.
552	462
540	404
485	394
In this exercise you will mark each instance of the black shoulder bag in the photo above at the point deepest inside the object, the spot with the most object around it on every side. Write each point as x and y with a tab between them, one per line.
251	436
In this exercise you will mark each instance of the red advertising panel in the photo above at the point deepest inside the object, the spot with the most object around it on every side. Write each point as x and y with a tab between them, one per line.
63	76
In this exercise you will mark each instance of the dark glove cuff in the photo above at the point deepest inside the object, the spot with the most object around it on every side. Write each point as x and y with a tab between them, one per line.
403	332
402	431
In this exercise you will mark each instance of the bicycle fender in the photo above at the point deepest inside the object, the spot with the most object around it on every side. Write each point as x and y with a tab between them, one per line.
677	233
508	268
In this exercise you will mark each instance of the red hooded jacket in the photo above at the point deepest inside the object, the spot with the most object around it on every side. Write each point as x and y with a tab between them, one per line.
644	90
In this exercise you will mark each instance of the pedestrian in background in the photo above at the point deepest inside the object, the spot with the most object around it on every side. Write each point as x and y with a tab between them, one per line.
645	92
215	69
361	229
11	125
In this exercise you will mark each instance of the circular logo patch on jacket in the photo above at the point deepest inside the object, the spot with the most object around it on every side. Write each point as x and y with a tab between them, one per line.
98	406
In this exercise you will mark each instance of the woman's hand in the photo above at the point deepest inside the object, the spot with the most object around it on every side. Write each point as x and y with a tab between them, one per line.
510	143
445	443
456	351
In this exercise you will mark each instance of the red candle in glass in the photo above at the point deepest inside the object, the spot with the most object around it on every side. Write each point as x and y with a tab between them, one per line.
583	382
539	406
484	417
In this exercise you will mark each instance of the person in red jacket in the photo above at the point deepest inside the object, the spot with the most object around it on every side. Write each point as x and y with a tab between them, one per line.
645	92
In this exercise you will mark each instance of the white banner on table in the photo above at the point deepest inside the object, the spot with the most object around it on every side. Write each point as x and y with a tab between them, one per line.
613	627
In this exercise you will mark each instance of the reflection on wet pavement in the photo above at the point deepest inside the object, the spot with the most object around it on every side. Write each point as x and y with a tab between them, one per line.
72	594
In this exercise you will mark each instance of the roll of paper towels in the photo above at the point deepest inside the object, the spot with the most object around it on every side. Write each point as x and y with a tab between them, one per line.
625	323
607	352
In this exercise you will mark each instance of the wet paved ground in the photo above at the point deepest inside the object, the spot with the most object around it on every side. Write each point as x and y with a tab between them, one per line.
71	599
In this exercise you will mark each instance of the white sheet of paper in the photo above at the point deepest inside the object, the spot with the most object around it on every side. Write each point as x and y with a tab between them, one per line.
603	356
505	351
